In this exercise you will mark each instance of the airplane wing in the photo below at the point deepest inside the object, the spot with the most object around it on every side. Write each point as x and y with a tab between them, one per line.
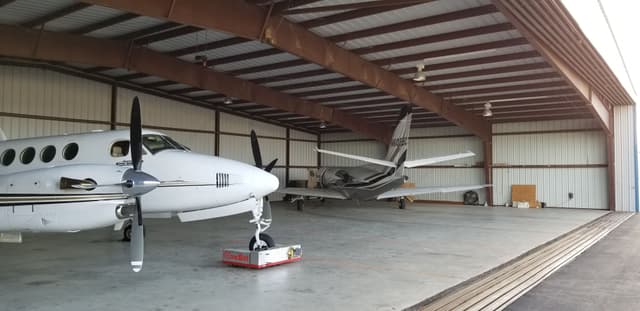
323	193
401	192
356	157
427	161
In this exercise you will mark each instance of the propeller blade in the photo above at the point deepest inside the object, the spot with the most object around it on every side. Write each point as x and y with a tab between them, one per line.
255	148
135	133
266	208
137	239
271	164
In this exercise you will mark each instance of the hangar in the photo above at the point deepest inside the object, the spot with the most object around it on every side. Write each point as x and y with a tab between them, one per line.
515	82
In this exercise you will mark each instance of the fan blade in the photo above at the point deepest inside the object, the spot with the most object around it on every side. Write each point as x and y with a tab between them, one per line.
135	135
271	164
255	148
137	239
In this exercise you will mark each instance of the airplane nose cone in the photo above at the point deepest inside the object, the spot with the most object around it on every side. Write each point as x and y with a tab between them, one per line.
265	183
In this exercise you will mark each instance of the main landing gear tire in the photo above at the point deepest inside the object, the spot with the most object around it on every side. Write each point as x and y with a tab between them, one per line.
263	237
300	205
402	203
126	232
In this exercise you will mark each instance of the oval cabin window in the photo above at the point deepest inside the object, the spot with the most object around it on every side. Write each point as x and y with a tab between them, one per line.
27	155
7	157
47	154
70	151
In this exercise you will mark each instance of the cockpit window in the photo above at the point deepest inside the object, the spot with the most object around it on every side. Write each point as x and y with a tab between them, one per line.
157	143
120	149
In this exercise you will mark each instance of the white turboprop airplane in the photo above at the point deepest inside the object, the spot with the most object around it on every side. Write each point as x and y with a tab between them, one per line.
379	179
78	182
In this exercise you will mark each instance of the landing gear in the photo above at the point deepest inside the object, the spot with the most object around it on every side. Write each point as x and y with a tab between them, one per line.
402	203
260	240
126	232
300	204
264	243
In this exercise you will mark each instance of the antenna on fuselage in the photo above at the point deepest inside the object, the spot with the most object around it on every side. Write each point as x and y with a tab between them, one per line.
2	135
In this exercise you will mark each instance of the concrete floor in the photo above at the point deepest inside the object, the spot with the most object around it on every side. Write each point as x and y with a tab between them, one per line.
605	277
367	257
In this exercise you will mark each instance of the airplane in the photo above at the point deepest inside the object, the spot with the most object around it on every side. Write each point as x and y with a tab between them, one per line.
85	181
379	179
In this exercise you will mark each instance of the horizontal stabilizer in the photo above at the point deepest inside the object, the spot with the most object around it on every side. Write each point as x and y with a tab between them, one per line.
313	192
428	161
403	192
355	157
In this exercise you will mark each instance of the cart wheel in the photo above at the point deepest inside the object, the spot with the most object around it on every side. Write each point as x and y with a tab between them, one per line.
300	205
126	233
402	203
264	238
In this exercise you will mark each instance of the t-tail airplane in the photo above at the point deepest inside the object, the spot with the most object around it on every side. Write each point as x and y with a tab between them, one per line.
379	179
78	182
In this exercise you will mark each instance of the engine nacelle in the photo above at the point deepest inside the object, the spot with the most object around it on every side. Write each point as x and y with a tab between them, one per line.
334	177
59	217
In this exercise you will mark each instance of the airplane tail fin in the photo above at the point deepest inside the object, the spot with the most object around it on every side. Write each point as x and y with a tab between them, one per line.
397	152
2	135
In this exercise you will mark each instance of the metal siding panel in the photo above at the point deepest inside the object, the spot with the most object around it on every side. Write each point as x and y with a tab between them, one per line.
625	174
551	148
235	124
158	111
589	186
236	148
302	154
447	177
46	93
302	135
552	125
298	174
16	128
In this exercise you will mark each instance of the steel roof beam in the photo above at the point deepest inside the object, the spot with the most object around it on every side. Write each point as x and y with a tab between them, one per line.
352	6
601	111
51	46
292	38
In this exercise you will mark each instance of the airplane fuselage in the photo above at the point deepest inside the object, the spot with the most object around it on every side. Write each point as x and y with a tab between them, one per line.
361	182
33	197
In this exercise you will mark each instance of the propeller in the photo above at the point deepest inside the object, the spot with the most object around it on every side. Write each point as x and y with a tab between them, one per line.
135	184
257	157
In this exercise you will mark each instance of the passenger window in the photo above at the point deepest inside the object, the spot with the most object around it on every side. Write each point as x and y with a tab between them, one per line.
47	154
120	149
70	151
8	156
27	155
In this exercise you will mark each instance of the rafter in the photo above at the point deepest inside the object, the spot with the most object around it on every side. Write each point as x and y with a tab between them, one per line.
51	46
352	6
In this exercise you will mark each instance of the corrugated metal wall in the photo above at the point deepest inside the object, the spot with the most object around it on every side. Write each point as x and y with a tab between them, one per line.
40	102
32	99
576	162
625	160
557	162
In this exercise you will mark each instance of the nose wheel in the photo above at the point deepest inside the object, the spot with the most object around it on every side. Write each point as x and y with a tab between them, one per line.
265	242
